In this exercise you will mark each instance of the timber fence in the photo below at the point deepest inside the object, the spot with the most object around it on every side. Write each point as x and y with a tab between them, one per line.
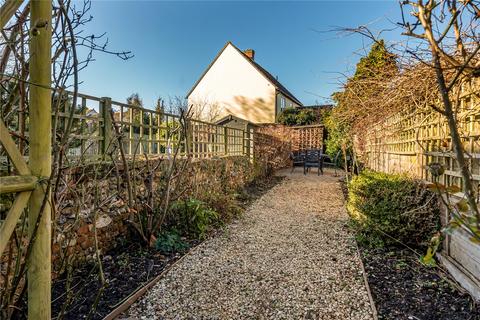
411	140
144	131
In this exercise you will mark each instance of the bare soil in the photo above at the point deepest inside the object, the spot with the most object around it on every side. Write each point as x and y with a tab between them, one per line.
126	269
405	289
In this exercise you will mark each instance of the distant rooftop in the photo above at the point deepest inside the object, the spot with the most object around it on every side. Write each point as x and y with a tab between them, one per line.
319	106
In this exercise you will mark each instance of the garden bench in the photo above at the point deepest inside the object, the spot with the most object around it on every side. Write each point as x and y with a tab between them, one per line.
313	159
298	158
327	161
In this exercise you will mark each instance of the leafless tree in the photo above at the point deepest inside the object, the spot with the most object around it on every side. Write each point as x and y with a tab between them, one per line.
440	59
449	43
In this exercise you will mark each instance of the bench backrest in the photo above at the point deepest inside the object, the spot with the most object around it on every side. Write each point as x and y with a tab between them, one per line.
313	155
297	155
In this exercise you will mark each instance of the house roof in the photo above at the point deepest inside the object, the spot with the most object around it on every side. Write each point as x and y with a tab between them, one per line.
231	117
259	68
319	106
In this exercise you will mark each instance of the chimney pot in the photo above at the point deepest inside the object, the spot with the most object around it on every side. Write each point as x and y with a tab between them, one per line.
250	53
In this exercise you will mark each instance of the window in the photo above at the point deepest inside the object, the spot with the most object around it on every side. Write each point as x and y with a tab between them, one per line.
283	103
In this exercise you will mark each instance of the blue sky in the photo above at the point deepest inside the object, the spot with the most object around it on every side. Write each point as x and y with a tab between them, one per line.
173	42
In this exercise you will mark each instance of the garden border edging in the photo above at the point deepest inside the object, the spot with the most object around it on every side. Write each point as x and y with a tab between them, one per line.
136	295
367	286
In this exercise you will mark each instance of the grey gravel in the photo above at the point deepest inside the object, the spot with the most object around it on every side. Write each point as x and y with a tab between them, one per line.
291	256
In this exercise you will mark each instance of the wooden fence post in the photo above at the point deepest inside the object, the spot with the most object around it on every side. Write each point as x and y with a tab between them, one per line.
225	140
188	137
107	128
246	140
39	263
140	133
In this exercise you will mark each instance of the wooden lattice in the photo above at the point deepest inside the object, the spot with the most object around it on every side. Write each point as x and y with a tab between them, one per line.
307	137
410	140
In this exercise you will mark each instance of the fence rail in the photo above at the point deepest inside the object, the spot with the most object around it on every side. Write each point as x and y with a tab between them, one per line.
144	131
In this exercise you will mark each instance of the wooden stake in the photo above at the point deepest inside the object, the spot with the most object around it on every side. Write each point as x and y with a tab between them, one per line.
8	10
39	264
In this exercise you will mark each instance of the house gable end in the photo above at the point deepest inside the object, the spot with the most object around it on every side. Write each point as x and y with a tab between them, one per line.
219	54
232	85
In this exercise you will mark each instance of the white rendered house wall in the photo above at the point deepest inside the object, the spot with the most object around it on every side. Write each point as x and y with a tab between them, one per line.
233	86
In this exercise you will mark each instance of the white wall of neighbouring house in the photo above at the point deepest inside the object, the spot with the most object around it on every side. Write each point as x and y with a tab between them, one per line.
233	86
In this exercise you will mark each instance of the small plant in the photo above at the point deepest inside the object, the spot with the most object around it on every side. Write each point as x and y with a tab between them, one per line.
401	264
193	217
390	209
170	241
226	205
123	261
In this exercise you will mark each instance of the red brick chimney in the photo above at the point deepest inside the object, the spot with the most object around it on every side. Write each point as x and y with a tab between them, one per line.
250	53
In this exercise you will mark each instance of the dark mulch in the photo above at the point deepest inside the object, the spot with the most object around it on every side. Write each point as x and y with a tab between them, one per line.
405	289
126	268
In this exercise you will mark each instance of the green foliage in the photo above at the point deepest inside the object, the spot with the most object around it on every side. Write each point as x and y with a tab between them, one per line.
288	116
135	100
295	116
429	258
378	59
225	204
170	241
390	209
337	135
349	114
123	261
193	217
306	117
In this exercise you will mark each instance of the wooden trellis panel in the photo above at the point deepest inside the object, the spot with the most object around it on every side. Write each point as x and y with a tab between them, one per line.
408	141
144	131
412	139
307	137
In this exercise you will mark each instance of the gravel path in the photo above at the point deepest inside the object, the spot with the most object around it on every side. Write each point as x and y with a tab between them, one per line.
290	257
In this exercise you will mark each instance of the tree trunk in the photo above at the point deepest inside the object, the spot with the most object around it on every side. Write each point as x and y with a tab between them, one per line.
456	140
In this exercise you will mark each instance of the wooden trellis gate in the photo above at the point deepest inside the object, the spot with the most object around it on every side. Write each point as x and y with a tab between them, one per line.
27	184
